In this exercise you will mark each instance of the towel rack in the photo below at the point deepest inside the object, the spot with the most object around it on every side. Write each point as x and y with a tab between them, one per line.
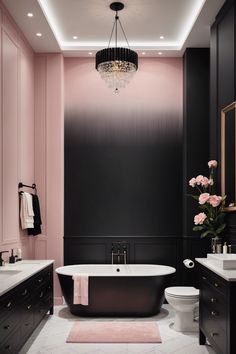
33	186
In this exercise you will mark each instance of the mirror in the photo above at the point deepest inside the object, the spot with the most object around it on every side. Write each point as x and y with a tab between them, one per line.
228	155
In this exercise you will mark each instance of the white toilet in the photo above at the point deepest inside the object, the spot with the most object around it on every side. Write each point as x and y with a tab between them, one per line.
184	300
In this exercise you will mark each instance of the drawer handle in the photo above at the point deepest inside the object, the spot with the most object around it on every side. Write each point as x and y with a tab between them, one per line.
214	313
24	292
40	280
41	294
9	305
214	334
216	285
29	307
8	347
27	324
213	299
6	327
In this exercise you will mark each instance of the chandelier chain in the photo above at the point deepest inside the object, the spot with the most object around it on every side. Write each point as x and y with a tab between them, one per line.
114	27
124	33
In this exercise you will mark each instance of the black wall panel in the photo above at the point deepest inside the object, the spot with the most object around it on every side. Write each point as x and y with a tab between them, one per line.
195	126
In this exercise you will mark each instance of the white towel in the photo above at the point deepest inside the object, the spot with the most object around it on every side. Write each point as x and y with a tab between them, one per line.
26	211
80	289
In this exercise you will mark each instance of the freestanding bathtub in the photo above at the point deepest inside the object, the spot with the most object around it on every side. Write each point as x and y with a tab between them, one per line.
118	290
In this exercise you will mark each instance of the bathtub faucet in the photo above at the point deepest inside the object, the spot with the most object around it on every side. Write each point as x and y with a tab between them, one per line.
119	253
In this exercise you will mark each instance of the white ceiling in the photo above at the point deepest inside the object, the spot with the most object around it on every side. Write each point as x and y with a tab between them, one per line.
183	23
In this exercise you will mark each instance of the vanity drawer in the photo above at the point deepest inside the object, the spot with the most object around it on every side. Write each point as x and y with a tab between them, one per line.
215	333
43	277
12	343
217	283
7	326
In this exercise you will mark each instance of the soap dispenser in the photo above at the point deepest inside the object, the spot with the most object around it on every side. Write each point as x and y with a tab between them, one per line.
225	248
12	257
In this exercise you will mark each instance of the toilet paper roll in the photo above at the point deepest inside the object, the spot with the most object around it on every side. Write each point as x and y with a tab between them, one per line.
189	263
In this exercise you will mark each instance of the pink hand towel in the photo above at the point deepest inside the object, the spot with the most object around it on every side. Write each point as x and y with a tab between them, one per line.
80	289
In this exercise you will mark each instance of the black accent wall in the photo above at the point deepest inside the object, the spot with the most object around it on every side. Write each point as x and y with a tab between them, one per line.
195	127
127	169
223	86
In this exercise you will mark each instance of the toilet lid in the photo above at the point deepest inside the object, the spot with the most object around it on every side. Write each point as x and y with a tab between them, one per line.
182	291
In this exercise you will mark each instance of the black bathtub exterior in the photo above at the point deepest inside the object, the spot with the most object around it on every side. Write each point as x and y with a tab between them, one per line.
119	296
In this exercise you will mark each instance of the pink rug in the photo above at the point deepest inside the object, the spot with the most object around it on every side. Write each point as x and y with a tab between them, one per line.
114	332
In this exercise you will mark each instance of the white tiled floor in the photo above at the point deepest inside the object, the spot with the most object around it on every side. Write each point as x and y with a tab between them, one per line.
50	337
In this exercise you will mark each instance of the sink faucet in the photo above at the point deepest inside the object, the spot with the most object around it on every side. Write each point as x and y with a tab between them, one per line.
2	260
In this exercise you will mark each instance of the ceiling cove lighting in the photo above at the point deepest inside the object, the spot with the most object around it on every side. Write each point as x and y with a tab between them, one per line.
116	65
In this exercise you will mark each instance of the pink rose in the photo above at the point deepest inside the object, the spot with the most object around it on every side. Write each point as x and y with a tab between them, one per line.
199	218
199	179
212	164
203	198
192	182
215	200
205	182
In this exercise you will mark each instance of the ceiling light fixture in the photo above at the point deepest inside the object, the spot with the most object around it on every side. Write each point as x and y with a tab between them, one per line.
75	37
29	14
159	53
116	65
39	34
162	37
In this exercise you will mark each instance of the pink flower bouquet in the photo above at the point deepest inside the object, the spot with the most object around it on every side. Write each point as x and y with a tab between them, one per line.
211	219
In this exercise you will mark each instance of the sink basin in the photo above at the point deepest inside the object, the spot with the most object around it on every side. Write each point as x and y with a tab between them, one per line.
5	274
224	261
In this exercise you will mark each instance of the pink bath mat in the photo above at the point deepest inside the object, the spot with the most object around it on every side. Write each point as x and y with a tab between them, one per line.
114	332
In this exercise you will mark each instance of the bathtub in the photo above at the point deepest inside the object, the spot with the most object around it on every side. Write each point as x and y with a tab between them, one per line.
118	290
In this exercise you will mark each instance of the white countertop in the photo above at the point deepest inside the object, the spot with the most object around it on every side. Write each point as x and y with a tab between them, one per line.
227	274
13	274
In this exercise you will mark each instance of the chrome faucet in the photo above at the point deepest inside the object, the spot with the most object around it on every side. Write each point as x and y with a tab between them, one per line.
2	262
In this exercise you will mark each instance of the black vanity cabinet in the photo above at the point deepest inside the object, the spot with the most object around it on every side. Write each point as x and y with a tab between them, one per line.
23	307
217	311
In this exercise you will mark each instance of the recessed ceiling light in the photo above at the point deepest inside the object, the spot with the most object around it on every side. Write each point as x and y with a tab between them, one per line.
162	37
39	34
143	53
159	53
29	14
75	37
90	53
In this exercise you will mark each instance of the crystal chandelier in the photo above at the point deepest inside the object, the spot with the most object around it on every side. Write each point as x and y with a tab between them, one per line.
116	65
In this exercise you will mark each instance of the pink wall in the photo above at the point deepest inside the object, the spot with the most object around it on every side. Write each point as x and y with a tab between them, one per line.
16	130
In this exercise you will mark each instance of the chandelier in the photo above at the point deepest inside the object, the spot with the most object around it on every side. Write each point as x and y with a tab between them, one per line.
116	65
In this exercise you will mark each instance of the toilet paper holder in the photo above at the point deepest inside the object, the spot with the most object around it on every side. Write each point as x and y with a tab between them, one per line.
188	263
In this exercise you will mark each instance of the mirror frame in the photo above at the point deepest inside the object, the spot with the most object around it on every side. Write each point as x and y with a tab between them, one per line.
224	110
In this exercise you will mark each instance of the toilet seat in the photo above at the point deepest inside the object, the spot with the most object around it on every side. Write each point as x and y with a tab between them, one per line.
183	292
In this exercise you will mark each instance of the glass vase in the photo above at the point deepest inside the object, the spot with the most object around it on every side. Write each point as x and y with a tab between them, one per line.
216	244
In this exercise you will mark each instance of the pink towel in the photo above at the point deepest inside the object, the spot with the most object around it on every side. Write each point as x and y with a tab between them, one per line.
80	289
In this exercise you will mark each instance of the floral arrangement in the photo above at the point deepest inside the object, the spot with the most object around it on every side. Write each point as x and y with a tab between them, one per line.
211	220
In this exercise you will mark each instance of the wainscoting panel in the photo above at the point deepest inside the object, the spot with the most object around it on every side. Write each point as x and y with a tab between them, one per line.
10	139
157	252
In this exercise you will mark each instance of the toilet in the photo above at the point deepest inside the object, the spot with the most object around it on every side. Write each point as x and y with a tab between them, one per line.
184	299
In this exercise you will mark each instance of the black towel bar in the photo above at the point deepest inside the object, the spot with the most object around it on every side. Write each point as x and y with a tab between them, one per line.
21	185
